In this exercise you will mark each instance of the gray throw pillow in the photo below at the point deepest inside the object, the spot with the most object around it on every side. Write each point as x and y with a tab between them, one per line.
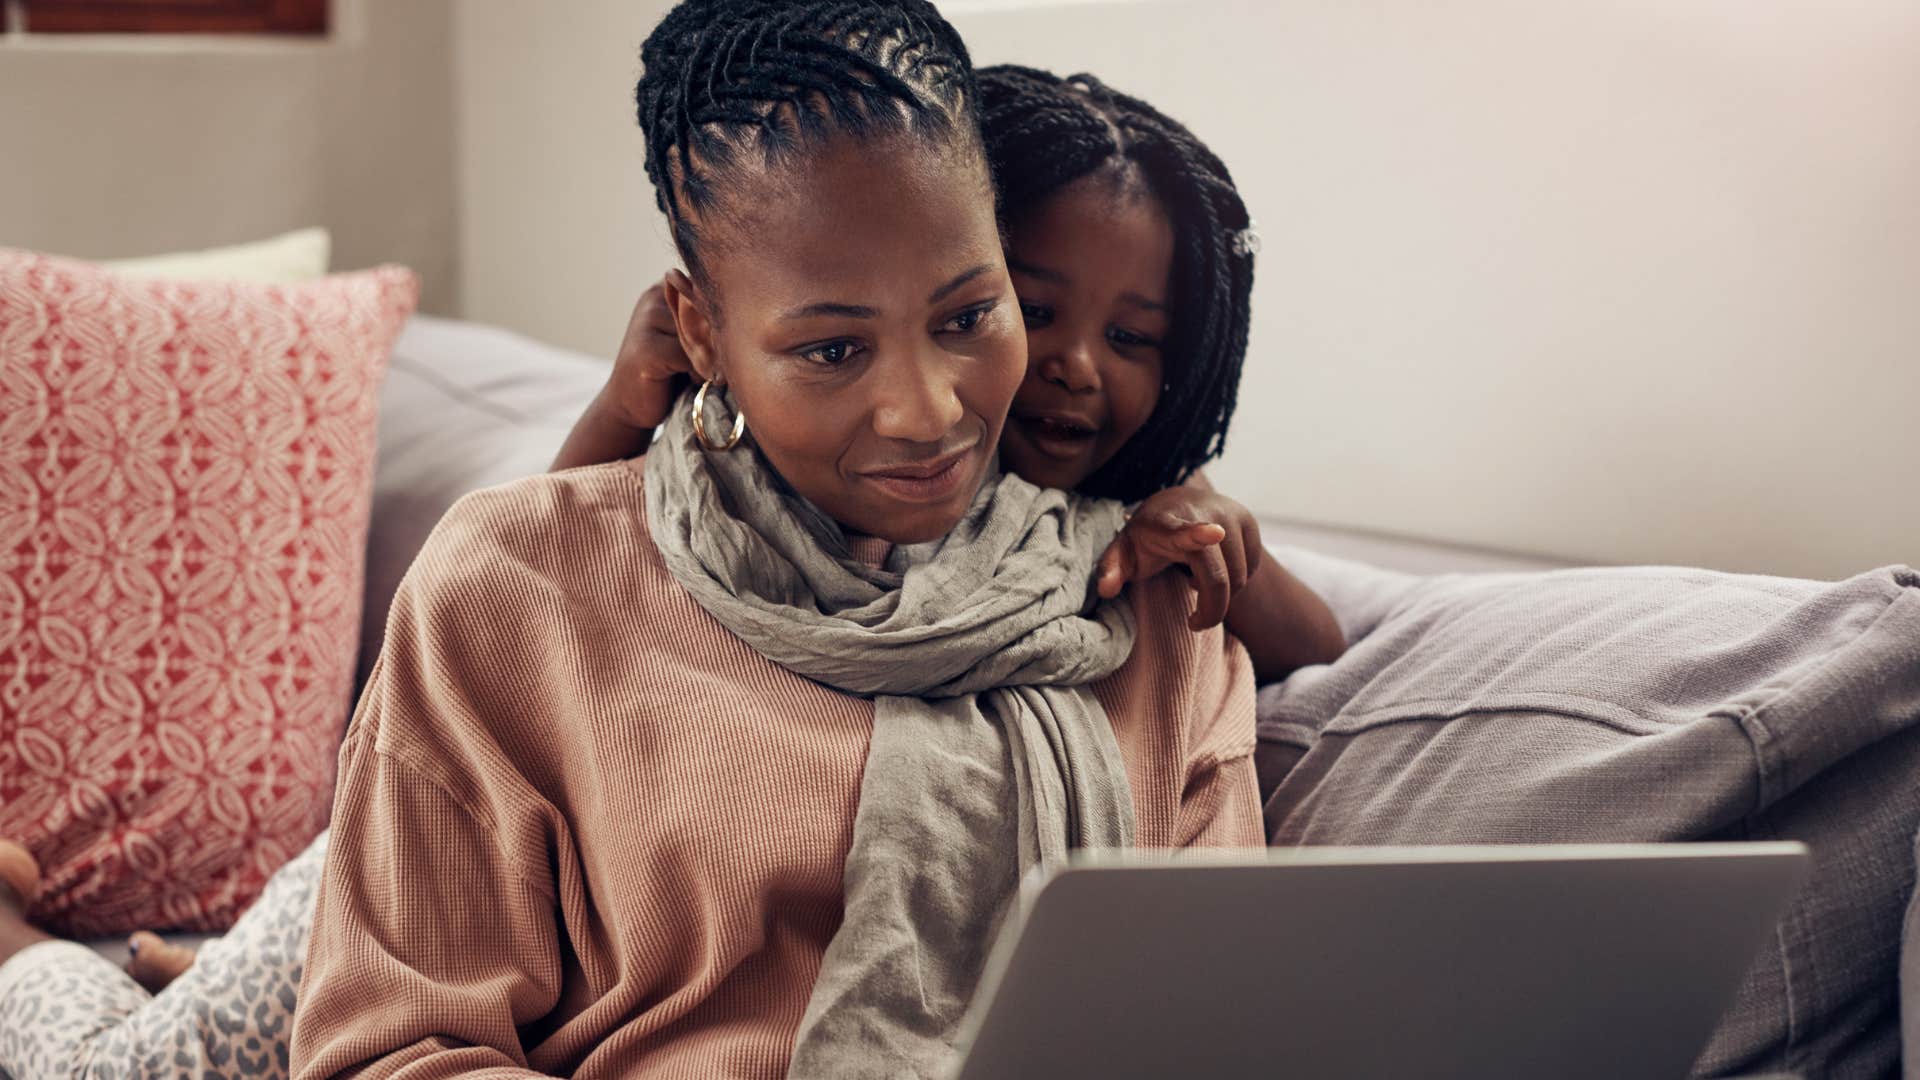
465	406
1645	704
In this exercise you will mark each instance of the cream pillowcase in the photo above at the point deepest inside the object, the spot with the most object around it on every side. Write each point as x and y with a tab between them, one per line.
301	255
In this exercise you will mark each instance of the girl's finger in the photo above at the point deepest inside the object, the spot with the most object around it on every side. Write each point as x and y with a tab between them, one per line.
1195	537
1166	520
1210	582
1111	573
1234	550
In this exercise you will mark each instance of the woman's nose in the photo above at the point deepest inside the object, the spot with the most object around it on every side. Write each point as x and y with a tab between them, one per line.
917	401
1071	366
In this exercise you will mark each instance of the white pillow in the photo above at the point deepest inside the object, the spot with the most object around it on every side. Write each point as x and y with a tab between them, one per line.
300	255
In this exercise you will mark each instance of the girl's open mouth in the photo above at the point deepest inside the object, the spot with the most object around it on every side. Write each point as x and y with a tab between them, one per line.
1057	435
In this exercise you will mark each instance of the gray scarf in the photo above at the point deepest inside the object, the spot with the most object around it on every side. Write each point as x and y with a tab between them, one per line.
989	755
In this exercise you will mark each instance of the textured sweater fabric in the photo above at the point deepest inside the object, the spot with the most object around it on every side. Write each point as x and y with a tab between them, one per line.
581	829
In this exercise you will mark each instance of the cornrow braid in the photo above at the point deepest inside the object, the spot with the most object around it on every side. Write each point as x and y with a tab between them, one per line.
1044	132
722	79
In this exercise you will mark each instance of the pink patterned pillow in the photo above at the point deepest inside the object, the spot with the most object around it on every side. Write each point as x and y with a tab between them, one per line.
185	475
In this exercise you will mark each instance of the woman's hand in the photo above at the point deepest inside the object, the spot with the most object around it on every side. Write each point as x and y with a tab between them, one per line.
647	369
1215	538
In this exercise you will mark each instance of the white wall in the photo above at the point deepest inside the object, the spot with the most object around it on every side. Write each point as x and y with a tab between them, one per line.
1630	281
120	146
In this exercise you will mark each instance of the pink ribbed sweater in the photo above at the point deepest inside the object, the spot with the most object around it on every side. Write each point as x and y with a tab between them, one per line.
581	829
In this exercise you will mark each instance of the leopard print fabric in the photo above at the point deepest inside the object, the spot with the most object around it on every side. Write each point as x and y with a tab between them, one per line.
67	1013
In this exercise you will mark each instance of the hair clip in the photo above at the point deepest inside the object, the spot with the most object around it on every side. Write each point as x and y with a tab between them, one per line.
1247	241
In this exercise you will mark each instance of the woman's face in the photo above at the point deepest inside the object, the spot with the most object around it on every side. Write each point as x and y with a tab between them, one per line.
867	329
1092	265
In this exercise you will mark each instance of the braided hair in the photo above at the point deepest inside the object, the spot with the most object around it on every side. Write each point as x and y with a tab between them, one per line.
1044	132
726	83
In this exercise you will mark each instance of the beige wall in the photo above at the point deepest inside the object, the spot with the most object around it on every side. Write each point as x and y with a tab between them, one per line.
1620	282
1630	281
558	230
123	146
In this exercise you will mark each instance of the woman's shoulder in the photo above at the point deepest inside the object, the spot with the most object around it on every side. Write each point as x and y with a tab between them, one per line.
592	498
1205	671
537	552
1161	606
549	525
515	586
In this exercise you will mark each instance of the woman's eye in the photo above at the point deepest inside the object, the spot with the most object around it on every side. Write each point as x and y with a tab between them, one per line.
1124	337
1035	315
830	353
967	321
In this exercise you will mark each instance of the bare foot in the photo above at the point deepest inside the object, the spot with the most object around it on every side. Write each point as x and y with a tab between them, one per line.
19	888
154	962
19	878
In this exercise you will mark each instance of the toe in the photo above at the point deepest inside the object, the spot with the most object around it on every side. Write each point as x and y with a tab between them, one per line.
154	962
19	874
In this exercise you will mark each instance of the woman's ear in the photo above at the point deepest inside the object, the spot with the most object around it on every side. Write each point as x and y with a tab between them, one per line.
693	319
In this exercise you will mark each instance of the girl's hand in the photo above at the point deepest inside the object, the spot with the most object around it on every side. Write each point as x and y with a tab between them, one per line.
1213	537
649	365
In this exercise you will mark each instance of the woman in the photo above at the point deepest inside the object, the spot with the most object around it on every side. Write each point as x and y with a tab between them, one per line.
728	760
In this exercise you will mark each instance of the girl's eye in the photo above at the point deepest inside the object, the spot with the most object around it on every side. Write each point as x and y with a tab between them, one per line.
1036	315
967	321
1127	338
830	353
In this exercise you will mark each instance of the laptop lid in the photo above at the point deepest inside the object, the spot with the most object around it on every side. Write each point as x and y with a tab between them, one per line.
1568	961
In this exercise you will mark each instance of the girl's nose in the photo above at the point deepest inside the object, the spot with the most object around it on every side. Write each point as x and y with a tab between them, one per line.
1072	367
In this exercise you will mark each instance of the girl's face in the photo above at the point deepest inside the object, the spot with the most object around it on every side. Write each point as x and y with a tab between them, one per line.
867	329
1092	266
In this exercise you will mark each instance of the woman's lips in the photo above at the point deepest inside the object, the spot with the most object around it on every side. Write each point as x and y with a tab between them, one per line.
1058	435
930	481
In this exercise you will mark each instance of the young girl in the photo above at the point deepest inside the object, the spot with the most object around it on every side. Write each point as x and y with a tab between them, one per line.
1131	257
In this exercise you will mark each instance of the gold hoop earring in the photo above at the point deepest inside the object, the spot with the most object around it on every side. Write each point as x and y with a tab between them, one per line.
700	422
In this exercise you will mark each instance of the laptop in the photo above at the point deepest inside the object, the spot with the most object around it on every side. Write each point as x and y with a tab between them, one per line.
1569	961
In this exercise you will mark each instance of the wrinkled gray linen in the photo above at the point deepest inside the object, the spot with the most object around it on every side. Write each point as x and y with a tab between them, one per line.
989	754
1645	704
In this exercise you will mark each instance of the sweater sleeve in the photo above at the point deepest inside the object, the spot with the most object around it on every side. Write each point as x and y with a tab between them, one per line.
436	939
429	949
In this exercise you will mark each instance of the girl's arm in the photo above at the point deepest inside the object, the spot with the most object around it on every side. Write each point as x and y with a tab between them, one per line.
1283	623
645	381
605	432
1293	626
